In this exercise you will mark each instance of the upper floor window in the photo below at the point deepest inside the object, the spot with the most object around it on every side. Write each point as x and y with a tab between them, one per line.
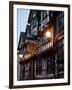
21	42
28	33
34	31
34	22
44	14
34	14
45	18
60	22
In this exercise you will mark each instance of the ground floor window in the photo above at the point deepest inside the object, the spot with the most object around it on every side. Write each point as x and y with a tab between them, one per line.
60	61
38	66
22	71
49	65
30	68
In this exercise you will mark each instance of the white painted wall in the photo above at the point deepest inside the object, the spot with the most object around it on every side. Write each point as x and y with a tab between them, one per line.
4	45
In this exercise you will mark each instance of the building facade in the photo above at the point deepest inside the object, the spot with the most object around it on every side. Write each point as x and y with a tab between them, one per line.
47	62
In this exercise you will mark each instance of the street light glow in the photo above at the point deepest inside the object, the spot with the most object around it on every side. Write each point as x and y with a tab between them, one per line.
48	34
27	56
21	55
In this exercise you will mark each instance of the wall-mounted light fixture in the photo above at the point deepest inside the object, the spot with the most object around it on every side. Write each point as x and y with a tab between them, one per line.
21	56
48	34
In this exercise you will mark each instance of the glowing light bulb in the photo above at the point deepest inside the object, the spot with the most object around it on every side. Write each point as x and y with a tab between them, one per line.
20	55
48	34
